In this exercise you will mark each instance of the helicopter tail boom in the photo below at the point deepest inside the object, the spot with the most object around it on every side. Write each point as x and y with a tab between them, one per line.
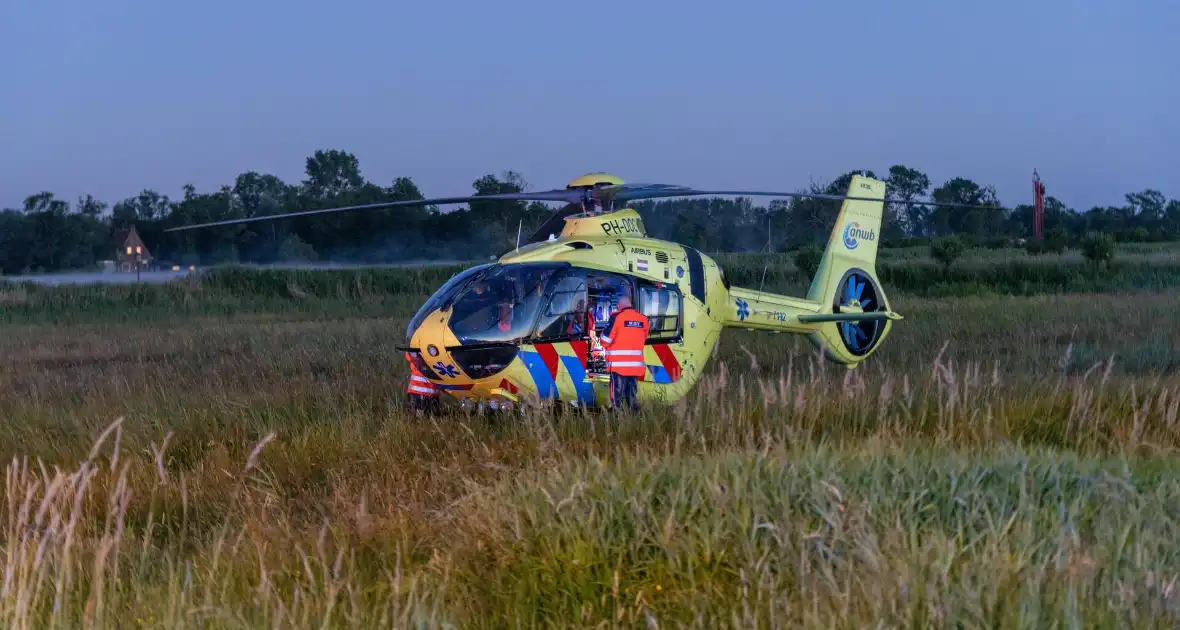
758	310
845	311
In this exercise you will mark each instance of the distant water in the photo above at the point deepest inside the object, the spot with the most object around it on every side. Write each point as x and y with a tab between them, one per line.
157	277
98	277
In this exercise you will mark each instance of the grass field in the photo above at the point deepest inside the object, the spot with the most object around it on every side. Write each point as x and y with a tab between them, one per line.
234	452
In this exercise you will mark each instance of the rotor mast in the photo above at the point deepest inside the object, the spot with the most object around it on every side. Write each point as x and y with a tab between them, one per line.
599	216
594	201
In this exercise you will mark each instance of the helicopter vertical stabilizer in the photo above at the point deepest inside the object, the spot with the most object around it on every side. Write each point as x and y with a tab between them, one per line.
854	239
846	284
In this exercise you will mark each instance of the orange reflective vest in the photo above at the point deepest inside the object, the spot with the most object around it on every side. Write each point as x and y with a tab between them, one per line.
419	384
623	342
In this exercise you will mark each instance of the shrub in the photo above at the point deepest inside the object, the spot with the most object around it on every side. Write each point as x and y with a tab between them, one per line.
947	250
1098	248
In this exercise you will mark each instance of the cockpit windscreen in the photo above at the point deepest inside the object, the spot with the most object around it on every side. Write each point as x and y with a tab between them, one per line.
503	304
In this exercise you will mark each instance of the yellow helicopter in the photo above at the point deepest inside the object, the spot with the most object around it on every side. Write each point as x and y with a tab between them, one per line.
520	328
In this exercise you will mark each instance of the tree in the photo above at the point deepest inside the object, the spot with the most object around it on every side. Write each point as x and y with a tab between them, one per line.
148	205
404	189
499	210
1171	222
839	186
17	237
45	202
254	194
968	221
809	220
331	174
501	220
911	185
1147	205
90	206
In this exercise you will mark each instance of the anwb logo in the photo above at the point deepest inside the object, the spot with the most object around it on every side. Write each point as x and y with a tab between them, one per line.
853	232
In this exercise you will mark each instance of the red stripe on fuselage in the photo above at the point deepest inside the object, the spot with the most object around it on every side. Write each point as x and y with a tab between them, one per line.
669	360
549	356
580	347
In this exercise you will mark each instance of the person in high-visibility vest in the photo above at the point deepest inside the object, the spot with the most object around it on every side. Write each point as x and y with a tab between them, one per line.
422	393
623	341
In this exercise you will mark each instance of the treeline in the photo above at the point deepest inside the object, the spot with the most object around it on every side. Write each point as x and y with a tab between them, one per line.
51	234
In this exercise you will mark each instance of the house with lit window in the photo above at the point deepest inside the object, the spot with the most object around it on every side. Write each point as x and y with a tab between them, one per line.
130	252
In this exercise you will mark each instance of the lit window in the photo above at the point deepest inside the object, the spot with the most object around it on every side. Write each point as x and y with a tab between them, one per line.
662	308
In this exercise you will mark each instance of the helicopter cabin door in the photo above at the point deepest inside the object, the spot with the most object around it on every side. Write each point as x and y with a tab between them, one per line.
580	296
660	302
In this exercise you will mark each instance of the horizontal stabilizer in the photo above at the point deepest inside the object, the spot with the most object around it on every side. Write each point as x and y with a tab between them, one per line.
848	317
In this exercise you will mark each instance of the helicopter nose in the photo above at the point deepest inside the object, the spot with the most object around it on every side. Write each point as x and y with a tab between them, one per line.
452	362
454	366
484	362
428	337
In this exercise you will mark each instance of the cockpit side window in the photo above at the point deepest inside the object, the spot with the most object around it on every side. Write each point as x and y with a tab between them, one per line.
565	313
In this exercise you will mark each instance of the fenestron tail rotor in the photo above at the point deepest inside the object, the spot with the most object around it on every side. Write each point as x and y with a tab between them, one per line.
857	293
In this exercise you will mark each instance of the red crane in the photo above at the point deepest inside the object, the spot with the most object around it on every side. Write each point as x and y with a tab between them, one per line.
1038	206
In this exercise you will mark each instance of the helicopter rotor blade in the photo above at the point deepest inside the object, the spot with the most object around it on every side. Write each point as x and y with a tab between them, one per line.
617	193
630	192
569	196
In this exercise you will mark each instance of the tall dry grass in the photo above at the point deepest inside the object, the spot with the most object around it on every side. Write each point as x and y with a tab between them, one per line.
1007	462
111	543
817	501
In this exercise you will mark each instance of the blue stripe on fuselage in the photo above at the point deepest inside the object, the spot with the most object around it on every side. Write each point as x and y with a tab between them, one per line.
659	374
450	387
585	390
546	387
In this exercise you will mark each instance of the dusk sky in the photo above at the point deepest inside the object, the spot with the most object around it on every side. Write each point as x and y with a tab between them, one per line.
111	97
